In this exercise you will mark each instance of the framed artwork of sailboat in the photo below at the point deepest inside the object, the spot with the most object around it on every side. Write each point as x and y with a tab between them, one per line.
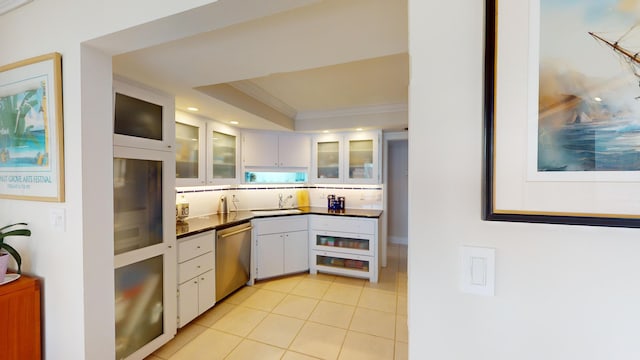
562	112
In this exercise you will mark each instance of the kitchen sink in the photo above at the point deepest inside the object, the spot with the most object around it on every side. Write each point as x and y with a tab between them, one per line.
266	212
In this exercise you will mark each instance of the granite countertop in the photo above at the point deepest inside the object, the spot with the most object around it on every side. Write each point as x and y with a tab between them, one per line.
201	224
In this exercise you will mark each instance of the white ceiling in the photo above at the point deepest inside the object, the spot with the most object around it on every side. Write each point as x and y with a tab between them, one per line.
333	64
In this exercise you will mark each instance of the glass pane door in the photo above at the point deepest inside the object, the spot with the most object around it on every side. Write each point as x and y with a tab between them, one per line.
138	118
361	154
187	151
139	305
223	155
328	160
137	193
144	250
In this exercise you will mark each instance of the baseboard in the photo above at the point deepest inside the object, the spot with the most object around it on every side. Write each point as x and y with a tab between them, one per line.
398	240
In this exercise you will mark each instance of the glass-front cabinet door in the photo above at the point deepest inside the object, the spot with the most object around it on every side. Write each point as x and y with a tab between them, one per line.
144	250
327	159
190	150
222	154
363	156
142	117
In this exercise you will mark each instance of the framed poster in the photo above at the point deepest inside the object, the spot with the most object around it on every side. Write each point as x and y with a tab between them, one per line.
562	112
31	130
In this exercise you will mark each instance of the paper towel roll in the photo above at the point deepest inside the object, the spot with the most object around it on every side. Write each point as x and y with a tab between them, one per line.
302	197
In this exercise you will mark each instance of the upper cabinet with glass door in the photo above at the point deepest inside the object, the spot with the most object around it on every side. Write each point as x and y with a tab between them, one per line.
328	159
362	158
206	152
222	154
347	158
143	118
190	150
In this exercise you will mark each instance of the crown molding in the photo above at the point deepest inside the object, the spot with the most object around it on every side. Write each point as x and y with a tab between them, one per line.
8	5
251	89
353	111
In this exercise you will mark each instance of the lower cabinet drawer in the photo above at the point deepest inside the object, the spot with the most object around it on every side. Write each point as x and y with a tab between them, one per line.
194	267
189	248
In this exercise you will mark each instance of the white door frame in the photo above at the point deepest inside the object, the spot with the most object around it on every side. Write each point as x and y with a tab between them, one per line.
390	136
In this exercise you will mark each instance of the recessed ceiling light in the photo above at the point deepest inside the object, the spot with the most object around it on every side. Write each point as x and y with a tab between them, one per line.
191	108
233	122
325	131
359	129
597	99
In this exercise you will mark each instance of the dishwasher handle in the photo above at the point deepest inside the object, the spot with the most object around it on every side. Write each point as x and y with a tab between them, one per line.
225	235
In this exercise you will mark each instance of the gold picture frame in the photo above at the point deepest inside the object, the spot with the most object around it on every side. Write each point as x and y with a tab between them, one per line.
31	129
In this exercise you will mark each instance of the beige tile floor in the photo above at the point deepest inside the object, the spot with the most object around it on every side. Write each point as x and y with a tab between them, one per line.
304	317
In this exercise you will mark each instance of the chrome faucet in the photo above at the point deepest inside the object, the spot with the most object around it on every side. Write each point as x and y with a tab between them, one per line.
282	201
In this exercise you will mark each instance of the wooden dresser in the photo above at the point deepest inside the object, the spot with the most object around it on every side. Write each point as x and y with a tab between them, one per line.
20	319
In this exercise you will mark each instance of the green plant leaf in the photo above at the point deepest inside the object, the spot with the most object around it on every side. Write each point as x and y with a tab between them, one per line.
8	226
8	248
17	232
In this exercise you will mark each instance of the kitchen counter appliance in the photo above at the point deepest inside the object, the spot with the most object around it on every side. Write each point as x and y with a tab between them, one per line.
233	258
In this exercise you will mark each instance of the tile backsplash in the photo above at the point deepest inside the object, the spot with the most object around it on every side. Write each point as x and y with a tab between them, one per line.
203	200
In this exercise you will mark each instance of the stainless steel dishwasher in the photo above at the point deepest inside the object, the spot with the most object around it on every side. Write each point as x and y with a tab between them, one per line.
233	258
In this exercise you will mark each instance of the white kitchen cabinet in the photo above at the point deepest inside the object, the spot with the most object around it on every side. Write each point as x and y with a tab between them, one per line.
144	239
294	151
362	157
296	251
328	159
207	152
275	150
344	246
223	148
143	117
196	276
269	255
347	158
280	246
259	149
190	150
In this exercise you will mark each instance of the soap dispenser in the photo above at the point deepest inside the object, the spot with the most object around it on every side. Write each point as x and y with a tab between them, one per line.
222	205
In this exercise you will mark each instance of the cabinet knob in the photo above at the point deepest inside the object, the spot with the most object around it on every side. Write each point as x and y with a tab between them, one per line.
198	246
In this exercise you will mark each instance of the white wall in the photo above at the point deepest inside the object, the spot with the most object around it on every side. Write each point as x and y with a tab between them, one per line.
78	324
562	292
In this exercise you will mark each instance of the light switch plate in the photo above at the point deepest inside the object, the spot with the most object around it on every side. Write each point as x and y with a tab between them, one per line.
478	270
58	219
